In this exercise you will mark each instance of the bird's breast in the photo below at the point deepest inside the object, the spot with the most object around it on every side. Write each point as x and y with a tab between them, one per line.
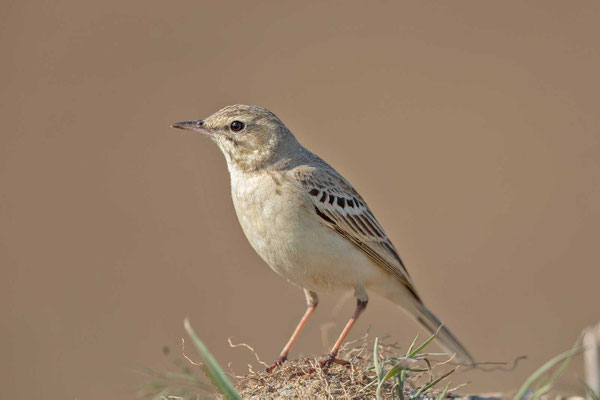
268	213
280	223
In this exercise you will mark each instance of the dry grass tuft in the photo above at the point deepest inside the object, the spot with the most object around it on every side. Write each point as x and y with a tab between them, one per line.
381	371
339	382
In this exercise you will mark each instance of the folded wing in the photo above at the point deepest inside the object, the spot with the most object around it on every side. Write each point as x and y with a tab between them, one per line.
342	209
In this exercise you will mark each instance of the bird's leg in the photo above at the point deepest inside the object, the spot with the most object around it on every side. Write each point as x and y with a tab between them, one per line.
361	303
311	300
360	307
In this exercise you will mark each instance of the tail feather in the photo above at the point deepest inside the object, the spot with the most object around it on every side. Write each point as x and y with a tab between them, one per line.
445	338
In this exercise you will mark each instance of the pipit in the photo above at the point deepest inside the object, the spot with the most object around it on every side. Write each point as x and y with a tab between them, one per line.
308	223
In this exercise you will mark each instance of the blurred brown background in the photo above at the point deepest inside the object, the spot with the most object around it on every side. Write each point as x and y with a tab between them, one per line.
472	128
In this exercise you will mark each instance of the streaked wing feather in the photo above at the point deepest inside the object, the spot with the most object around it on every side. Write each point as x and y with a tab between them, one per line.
342	209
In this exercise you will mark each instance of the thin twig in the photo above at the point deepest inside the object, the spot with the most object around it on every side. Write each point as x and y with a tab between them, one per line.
186	357
251	350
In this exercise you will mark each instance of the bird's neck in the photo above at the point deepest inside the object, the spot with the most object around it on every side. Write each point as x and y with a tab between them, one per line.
282	156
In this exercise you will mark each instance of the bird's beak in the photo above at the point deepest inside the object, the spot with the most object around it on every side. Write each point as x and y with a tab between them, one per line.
196	126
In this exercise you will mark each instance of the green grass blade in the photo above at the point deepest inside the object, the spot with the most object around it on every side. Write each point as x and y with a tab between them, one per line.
565	363
376	359
378	369
412	345
381	380
540	391
394	372
421	347
403	376
431	384
443	394
399	388
398	368
368	385
214	371
561	358
410	349
378	394
550	382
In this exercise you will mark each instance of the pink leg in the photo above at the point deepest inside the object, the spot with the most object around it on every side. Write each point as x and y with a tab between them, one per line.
360	307
312	304
331	359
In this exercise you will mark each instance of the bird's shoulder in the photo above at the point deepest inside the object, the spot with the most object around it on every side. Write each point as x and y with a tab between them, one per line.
319	175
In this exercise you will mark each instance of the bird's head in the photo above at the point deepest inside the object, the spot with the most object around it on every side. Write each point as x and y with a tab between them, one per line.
250	137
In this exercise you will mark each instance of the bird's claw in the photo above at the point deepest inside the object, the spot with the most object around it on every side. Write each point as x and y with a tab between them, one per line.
276	364
324	365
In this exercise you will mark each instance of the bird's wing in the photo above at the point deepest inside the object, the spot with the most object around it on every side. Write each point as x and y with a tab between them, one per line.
339	207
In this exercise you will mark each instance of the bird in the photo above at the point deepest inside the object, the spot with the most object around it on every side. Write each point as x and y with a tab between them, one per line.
309	224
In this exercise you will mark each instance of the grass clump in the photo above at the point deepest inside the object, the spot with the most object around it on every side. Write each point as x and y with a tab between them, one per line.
376	372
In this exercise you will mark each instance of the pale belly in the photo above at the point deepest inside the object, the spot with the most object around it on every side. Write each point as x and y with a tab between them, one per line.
287	234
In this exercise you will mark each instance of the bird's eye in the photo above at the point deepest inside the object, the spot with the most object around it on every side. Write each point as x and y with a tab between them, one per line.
236	126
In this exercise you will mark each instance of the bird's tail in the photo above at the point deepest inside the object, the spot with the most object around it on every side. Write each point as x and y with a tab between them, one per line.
445	338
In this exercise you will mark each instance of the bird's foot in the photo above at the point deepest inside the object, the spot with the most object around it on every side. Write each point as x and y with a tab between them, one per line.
324	365
331	359
276	364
